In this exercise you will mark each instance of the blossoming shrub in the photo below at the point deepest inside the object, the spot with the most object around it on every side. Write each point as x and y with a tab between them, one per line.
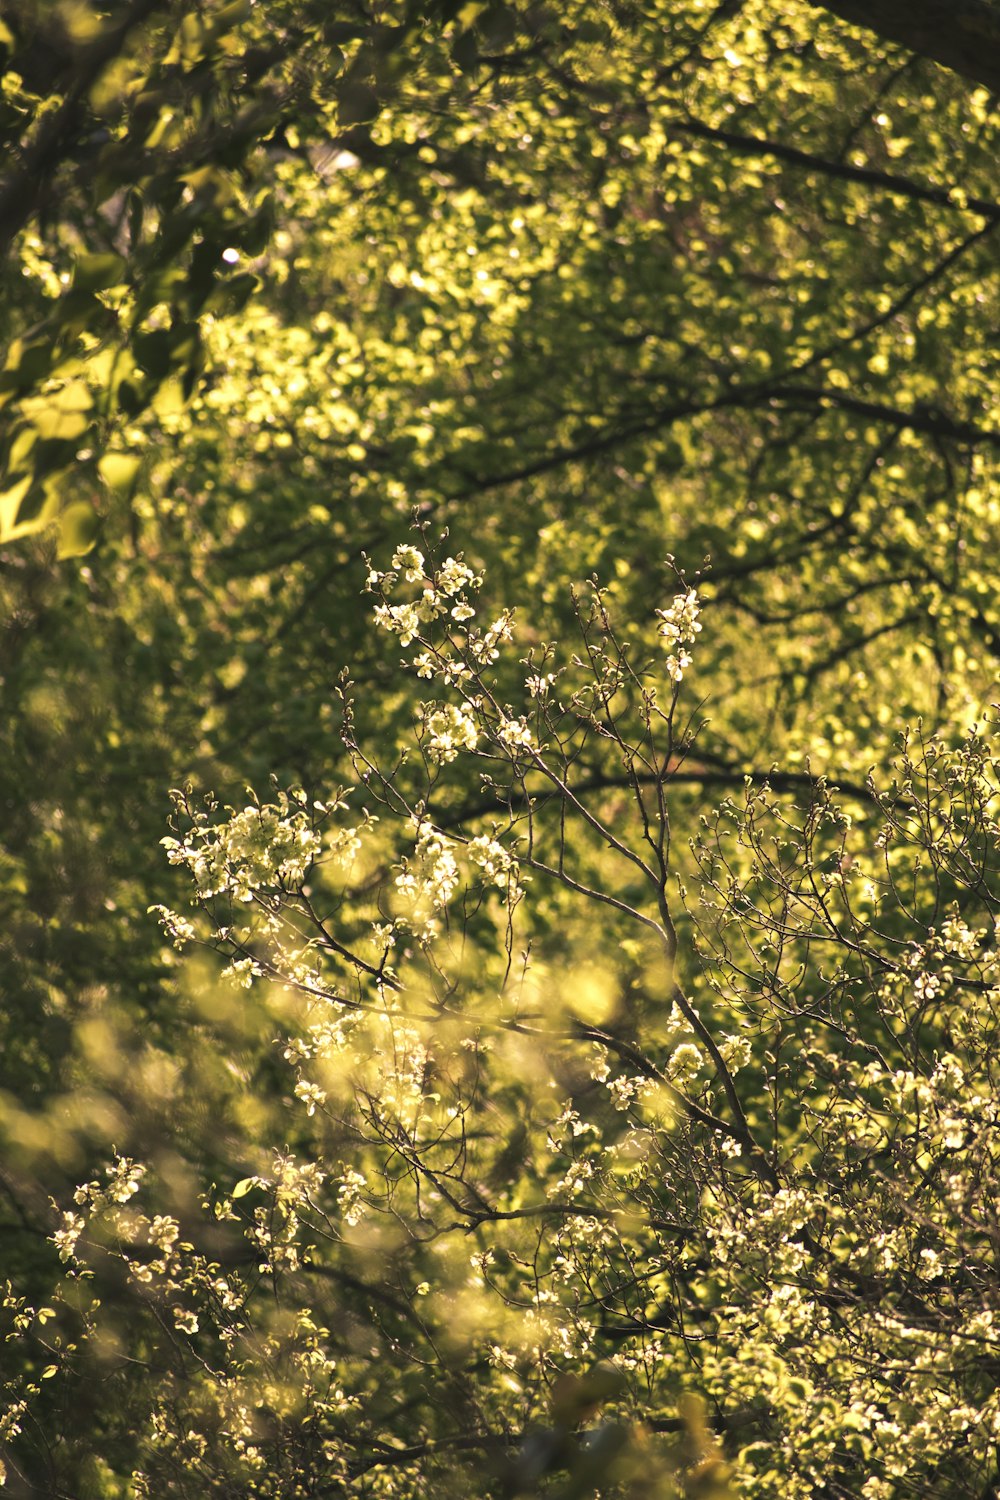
610	1167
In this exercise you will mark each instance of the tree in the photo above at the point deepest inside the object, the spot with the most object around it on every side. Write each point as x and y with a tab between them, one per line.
586	289
963	37
138	138
758	1177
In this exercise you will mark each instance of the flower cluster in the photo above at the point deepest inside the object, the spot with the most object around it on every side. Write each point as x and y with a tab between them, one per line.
454	652
208	1410
515	735
679	624
350	1198
444	594
264	845
427	881
498	865
448	730
484	646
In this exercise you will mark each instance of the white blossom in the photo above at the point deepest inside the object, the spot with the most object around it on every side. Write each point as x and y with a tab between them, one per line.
66	1236
311	1095
515	734
410	562
448	729
679	625
454	575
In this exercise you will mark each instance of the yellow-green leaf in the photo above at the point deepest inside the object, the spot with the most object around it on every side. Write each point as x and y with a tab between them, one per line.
77	530
119	470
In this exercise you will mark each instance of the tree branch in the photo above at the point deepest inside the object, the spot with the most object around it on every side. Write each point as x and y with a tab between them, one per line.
919	418
903	187
687	775
961	35
20	193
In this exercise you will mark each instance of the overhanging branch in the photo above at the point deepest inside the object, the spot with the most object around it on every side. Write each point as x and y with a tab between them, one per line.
961	35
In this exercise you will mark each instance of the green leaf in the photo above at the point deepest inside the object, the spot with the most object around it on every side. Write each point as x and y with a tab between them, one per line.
119	470
10	505
498	27
230	296
26	365
95	273
356	102
169	399
230	15
62	414
153	351
78	527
